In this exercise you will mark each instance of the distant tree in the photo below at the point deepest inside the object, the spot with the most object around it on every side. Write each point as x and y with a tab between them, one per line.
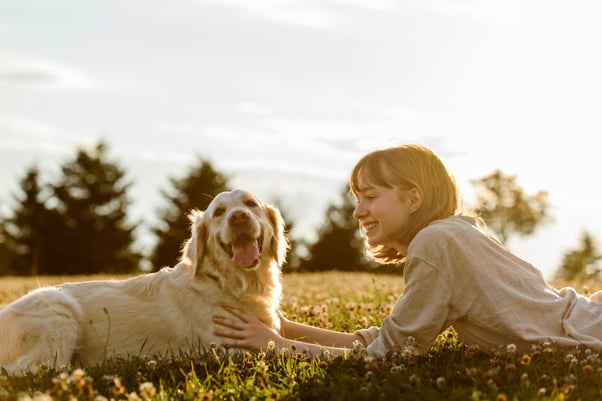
506	209
90	230
339	245
24	231
583	262
6	256
195	190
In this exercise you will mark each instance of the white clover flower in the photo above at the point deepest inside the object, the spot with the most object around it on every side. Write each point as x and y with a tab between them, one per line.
41	397
147	390
511	348
398	368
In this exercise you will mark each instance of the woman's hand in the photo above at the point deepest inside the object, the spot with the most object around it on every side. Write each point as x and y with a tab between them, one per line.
248	332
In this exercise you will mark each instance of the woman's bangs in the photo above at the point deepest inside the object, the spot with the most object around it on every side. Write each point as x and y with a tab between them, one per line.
370	172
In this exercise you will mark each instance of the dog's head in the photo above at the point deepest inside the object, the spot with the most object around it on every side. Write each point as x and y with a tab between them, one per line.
238	230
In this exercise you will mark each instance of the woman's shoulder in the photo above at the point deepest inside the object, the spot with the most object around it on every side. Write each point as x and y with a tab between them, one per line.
439	233
450	226
457	235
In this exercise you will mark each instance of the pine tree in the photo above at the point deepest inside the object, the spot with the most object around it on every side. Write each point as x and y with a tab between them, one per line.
24	232
91	232
194	191
339	245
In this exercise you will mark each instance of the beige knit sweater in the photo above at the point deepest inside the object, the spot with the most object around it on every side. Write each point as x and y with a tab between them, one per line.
456	275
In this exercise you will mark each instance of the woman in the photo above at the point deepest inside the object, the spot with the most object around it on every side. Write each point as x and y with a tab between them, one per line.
409	209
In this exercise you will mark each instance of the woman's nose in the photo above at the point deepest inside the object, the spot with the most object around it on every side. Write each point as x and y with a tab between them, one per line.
358	212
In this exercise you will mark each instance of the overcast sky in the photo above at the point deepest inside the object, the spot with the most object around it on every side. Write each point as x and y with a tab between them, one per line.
285	95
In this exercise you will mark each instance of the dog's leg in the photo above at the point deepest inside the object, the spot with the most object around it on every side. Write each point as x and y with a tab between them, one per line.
41	329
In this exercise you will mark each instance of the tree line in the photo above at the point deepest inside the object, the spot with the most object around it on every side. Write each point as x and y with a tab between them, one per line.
79	224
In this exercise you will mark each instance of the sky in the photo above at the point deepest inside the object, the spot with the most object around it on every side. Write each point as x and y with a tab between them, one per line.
286	95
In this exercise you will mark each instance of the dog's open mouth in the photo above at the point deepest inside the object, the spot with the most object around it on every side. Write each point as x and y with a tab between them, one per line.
244	250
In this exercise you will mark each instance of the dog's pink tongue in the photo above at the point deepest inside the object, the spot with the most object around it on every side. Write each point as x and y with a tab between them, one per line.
245	254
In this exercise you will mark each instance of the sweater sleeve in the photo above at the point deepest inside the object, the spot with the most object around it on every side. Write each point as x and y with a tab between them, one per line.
420	313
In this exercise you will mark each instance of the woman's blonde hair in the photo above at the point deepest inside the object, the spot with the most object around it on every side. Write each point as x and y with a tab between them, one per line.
405	167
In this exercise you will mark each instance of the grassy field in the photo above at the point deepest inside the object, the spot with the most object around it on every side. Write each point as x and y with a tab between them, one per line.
450	371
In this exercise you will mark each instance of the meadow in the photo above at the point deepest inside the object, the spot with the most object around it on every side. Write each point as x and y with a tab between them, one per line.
340	301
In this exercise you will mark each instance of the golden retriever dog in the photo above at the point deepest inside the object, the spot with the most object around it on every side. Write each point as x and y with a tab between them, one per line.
233	258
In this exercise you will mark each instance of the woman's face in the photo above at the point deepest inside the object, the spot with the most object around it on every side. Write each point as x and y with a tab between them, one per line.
383	213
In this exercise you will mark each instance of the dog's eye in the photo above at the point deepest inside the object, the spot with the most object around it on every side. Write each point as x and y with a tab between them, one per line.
219	211
251	203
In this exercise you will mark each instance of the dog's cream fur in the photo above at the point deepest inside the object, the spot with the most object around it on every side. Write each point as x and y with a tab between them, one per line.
233	258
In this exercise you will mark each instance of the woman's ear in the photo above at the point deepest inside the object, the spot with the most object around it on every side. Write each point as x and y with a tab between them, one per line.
415	199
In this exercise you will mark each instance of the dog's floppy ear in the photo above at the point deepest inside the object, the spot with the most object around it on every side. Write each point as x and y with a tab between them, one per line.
194	250
279	241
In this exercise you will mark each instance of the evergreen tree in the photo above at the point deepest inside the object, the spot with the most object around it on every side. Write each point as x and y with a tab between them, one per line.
24	232
339	245
90	231
6	256
194	191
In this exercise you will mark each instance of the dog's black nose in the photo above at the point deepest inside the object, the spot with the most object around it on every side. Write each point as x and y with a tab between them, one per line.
238	217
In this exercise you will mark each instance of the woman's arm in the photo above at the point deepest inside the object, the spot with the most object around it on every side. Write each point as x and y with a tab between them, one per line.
250	333
310	334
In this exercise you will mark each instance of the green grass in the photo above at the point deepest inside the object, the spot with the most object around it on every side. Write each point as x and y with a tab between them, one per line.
450	371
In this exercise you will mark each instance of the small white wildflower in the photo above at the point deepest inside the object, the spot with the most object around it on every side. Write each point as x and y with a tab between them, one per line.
511	348
570	379
358	347
441	382
398	368
415	380
408	352
41	397
147	390
134	397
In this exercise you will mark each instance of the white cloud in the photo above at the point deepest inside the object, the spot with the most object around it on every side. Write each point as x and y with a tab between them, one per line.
41	73
484	11
18	133
377	5
256	109
293	12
